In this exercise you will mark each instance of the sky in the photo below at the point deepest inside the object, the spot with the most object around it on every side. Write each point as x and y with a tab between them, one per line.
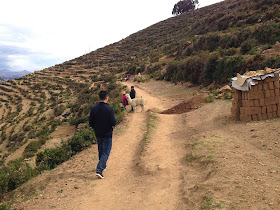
38	34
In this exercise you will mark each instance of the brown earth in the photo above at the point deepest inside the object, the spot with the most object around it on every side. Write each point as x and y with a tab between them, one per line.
186	106
200	159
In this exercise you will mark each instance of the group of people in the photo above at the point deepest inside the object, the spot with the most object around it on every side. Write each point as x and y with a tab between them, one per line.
102	119
132	96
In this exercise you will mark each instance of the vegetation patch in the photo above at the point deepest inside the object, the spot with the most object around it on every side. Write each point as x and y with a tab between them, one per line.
150	127
210	203
203	149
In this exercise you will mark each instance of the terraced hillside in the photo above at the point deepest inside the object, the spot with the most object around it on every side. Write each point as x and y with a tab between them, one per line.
208	45
36	105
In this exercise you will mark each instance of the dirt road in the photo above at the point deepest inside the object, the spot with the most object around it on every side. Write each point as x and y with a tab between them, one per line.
196	160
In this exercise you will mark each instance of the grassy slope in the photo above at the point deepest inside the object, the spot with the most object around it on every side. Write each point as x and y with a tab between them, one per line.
207	45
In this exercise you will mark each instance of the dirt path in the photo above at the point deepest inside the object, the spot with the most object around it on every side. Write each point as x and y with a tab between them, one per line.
127	185
197	160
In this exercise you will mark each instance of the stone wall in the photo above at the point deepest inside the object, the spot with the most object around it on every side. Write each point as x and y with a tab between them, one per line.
261	102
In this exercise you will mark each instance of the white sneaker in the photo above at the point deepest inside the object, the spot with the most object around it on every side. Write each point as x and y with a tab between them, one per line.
99	175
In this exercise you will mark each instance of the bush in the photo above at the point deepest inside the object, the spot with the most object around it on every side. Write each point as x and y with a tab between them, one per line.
14	174
81	140
193	68
33	147
172	69
78	120
209	99
273	62
4	207
50	158
211	67
119	114
248	45
228	67
268	33
58	110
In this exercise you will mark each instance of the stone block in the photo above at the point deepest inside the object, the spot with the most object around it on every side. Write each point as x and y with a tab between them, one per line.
262	102
271	86
276	91
272	93
236	103
270	101
256	102
245	118
276	85
255	117
269	115
267	93
247	103
274	108
260	87
264	116
264	110
269	109
260	117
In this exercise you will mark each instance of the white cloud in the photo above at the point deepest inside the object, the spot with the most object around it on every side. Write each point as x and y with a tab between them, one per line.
58	30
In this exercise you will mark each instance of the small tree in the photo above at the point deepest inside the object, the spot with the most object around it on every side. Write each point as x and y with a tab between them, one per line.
184	6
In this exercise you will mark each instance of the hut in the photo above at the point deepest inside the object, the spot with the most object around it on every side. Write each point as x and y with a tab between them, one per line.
256	95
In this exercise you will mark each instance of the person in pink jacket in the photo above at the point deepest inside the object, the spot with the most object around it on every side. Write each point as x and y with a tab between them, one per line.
124	100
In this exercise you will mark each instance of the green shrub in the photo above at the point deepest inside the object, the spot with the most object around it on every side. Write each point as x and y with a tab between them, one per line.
33	147
228	95
228	67
50	158
157	75
267	33
273	62
172	69
58	110
211	67
78	120
14	174
209	99
4	207
193	68
81	140
119	113
248	45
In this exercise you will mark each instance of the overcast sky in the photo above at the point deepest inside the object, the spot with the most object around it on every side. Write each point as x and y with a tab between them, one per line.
35	34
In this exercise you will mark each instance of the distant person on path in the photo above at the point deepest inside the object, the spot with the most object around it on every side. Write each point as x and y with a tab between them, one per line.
132	95
127	77
124	100
102	119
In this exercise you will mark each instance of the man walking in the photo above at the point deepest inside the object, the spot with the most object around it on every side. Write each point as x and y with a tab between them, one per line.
132	95
102	119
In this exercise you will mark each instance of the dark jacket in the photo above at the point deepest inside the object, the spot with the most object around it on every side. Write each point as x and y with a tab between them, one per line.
102	119
132	94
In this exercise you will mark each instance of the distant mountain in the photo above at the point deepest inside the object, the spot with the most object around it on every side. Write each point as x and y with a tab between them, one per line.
7	74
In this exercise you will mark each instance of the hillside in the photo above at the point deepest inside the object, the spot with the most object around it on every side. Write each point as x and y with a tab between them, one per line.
206	46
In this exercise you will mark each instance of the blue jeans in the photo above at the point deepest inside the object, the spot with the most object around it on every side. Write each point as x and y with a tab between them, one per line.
104	149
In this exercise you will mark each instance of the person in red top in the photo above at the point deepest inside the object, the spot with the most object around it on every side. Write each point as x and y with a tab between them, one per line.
124	100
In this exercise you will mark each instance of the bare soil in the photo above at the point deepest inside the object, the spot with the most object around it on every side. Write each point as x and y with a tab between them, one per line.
199	159
186	106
